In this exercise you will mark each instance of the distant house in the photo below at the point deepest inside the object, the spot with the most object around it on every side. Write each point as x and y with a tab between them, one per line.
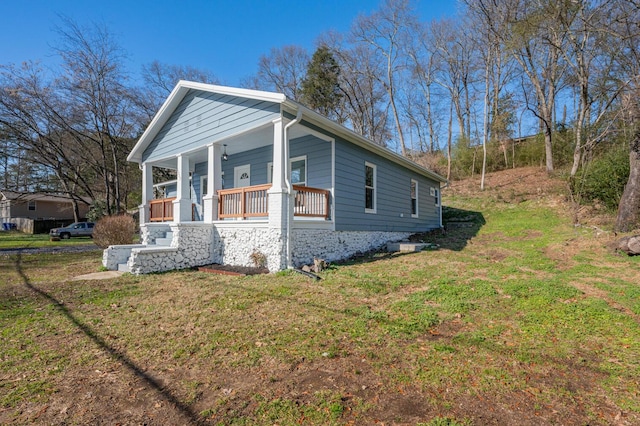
262	179
24	209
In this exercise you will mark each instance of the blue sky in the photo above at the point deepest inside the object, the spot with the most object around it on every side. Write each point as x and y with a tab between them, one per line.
224	36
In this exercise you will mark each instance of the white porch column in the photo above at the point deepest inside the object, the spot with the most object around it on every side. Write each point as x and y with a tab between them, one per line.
182	203
147	193
214	183
278	197
278	191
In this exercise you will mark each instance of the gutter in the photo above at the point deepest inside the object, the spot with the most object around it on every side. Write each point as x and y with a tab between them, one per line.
287	182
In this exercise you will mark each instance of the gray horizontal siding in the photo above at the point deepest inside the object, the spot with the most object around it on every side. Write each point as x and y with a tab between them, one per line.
202	118
393	187
318	154
257	158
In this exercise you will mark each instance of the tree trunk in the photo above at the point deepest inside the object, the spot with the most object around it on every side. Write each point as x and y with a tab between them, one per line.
449	141
629	207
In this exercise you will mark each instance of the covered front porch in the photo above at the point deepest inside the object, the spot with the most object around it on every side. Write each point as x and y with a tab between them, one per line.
246	177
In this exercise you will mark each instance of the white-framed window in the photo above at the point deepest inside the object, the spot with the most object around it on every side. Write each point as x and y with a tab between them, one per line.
414	198
435	192
370	181
298	171
204	182
32	205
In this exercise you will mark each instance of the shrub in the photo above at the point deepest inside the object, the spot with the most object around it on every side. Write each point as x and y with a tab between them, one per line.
113	230
604	178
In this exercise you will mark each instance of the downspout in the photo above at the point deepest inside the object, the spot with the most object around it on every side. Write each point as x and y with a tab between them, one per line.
287	183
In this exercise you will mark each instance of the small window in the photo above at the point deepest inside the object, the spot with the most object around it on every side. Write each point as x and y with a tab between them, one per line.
32	205
369	188
414	198
435	192
298	171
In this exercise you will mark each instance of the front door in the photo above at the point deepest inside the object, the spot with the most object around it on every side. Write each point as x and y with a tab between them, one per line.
242	176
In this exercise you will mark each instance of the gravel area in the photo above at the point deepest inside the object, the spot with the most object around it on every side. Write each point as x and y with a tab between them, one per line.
49	250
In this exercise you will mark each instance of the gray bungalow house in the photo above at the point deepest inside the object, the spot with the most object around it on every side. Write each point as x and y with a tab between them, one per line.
263	180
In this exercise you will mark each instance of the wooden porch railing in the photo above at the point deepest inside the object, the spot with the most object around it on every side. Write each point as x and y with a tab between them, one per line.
161	210
252	201
311	202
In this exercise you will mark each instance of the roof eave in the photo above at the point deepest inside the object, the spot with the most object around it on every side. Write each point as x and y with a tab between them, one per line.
361	141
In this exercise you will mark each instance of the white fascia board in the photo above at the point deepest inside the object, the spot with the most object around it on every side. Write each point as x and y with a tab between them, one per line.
357	139
156	124
235	91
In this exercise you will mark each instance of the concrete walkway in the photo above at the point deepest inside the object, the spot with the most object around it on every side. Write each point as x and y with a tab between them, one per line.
98	276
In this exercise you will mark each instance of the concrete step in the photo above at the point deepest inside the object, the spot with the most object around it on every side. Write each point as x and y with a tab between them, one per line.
123	267
163	241
405	247
168	234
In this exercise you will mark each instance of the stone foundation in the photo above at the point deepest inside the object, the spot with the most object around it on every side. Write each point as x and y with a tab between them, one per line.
240	244
337	245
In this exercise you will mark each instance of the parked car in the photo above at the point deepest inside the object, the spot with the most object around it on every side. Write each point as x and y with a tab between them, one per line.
78	229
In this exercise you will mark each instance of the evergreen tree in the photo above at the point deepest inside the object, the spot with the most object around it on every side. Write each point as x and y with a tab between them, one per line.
320	87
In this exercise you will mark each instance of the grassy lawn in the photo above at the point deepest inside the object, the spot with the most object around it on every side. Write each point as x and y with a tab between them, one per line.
519	318
15	239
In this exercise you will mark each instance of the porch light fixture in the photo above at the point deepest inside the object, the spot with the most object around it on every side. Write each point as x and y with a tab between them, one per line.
225	157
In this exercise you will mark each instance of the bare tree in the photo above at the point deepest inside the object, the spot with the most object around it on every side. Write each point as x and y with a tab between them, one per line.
79	124
455	73
363	104
421	104
101	110
384	31
160	79
282	70
536	38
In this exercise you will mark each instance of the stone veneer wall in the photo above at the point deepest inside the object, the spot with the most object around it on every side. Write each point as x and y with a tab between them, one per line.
240	245
113	255
191	246
150	231
337	245
197	244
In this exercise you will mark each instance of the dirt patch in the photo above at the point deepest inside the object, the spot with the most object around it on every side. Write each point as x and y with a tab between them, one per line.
514	185
216	268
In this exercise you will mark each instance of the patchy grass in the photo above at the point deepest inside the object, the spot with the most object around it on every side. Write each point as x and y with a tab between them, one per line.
16	239
523	319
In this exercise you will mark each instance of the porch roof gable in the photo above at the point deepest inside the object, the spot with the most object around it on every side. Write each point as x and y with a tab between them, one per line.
174	99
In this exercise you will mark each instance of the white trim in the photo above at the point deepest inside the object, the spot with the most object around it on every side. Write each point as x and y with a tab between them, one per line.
333	184
417	213
245	224
308	223
291	161
374	187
